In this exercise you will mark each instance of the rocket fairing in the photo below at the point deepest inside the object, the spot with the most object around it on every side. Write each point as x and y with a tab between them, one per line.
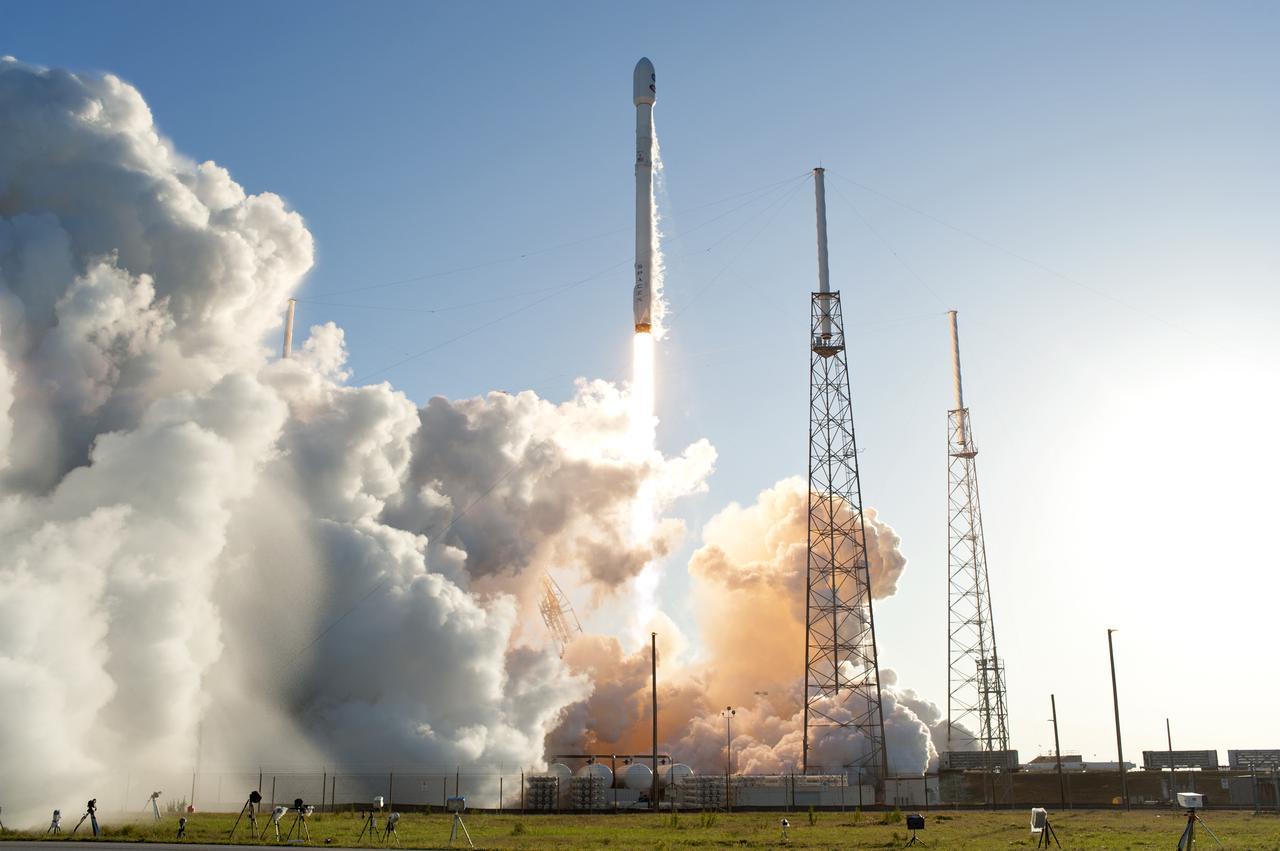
645	93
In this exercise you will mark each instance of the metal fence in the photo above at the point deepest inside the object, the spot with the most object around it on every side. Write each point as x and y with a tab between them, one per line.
531	790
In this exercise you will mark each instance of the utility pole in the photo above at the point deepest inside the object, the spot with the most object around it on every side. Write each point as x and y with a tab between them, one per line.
653	661
728	714
1057	752
1115	700
1173	777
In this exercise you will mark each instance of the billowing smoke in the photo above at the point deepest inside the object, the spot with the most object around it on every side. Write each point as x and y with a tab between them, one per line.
749	592
200	543
208	552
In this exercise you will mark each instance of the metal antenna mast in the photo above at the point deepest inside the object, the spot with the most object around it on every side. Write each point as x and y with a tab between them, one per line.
842	674
975	674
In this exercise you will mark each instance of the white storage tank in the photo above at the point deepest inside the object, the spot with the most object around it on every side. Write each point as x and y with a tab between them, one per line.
675	773
637	776
596	769
559	769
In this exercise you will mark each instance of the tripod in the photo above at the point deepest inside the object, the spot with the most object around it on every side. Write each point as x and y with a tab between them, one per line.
55	825
1045	834
250	807
370	826
453	834
390	829
276	815
92	815
915	840
299	823
155	808
1188	840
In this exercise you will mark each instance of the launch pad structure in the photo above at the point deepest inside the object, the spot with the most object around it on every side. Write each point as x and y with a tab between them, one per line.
976	698
557	613
842	670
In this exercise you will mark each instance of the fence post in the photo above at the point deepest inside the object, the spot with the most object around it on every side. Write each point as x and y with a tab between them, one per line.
522	791
333	793
324	786
391	785
273	791
499	791
457	776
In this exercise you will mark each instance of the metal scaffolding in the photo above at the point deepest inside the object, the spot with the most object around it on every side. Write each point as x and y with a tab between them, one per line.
976	701
842	674
557	613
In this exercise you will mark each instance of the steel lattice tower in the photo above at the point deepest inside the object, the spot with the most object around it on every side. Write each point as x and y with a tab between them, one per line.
975	675
842	674
557	613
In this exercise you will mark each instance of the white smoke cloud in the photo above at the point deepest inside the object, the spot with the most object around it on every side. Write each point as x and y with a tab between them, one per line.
206	552
206	549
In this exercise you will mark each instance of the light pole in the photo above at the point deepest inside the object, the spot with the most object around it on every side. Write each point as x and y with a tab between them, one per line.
728	714
1115	700
1057	751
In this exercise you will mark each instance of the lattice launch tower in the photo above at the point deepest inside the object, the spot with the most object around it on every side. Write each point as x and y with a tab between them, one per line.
976	701
842	673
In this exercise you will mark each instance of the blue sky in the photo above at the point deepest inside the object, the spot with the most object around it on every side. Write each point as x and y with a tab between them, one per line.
1094	186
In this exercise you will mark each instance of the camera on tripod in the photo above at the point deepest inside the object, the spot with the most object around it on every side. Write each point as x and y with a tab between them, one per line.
1191	800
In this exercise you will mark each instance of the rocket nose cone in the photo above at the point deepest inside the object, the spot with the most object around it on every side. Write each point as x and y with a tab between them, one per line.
646	83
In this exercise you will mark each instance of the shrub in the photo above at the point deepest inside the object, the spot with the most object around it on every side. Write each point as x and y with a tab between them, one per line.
517	829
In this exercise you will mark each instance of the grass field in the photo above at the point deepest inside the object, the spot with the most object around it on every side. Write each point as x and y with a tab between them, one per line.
1091	829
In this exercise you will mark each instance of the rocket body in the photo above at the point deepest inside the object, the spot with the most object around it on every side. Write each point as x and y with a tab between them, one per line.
645	93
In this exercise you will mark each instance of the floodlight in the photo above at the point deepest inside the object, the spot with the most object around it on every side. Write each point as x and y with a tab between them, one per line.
785	824
378	802
455	805
255	797
182	827
277	814
298	804
915	821
1039	817
155	795
1190	800
392	819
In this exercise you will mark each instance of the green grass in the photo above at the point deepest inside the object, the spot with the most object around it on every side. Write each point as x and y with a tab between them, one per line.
1080	829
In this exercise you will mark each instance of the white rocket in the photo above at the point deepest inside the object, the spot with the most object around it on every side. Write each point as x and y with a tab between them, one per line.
646	92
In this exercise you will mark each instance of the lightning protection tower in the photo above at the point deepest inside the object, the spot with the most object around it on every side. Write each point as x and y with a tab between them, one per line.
842	674
557	613
975	674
